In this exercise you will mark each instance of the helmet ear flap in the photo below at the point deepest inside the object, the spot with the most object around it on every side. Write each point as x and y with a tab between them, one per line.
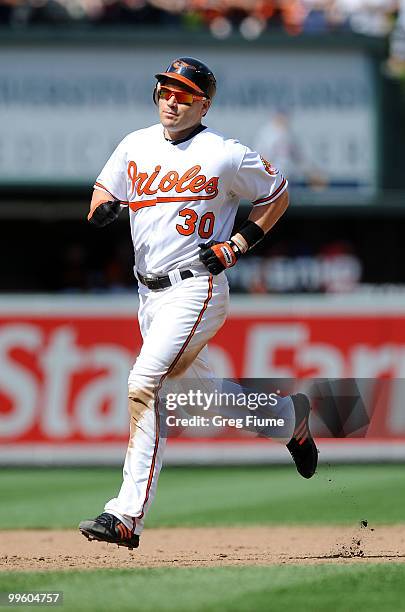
155	93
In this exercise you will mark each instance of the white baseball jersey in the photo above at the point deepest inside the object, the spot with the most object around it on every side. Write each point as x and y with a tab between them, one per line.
185	193
180	194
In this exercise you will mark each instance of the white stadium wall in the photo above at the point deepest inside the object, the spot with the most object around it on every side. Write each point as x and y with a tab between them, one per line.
64	109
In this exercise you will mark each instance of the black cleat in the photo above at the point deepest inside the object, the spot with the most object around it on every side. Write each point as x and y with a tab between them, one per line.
108	528
302	446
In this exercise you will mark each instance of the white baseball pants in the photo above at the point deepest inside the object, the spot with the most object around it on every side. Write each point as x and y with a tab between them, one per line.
176	324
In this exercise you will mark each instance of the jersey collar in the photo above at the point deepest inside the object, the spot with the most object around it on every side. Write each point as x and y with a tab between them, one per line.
196	131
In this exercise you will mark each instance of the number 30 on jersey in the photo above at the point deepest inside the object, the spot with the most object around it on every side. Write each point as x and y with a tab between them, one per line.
204	225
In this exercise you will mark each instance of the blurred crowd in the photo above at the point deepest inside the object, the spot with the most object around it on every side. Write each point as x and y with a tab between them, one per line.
221	17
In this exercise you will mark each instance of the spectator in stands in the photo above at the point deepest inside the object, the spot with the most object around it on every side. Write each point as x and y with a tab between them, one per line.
6	11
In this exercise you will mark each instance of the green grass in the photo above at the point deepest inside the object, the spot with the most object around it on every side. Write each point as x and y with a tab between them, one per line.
52	498
337	588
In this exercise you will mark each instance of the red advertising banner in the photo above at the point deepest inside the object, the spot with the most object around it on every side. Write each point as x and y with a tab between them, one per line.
64	364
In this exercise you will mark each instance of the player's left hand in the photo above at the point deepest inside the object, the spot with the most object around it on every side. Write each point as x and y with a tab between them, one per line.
217	256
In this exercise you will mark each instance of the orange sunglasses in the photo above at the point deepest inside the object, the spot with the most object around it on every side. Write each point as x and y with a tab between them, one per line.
182	97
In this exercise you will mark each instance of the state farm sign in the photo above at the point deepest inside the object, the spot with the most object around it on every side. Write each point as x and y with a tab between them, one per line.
64	363
58	380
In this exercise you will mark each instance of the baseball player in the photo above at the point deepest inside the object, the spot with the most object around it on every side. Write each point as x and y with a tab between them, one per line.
182	183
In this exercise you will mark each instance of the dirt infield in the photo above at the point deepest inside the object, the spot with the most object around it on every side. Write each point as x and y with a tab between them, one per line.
50	550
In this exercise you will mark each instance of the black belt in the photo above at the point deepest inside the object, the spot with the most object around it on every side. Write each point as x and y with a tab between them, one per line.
161	282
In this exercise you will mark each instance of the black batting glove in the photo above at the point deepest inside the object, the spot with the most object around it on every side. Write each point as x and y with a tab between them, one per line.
106	213
218	256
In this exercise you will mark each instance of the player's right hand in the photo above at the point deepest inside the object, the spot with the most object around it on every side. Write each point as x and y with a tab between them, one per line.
105	213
